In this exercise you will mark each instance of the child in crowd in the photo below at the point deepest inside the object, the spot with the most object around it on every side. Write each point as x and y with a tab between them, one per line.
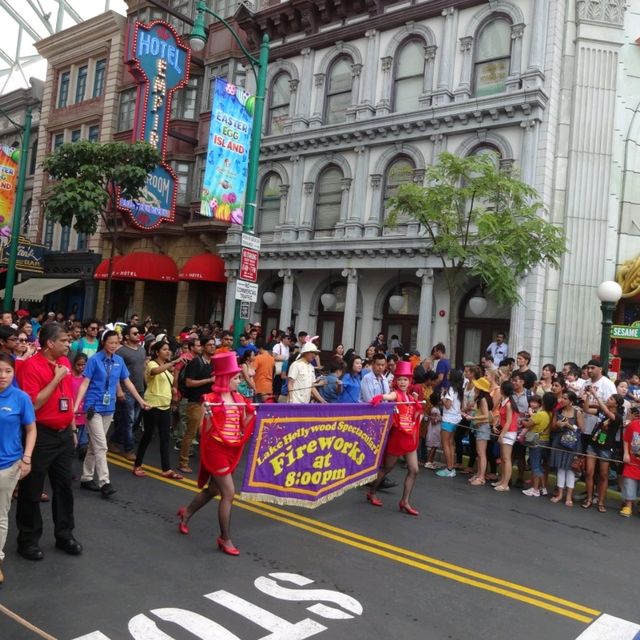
79	363
631	457
433	433
540	424
332	390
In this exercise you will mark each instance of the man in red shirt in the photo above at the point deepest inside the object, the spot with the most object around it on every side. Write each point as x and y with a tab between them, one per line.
46	379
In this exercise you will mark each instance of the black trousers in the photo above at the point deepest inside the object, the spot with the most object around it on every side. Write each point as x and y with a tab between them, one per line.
162	420
52	455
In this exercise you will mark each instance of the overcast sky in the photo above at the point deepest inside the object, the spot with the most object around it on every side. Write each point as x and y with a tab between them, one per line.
10	33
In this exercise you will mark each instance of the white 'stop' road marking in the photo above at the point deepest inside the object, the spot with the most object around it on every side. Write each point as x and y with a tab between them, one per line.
607	627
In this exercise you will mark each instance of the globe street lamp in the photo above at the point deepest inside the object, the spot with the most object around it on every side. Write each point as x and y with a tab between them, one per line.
17	207
198	40
609	292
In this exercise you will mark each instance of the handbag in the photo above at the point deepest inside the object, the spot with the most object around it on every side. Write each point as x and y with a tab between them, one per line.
577	464
569	440
532	438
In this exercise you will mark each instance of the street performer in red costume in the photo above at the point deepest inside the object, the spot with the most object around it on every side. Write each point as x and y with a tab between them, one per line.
403	437
228	423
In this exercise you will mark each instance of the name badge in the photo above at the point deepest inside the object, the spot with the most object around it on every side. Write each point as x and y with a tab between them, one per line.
63	405
106	399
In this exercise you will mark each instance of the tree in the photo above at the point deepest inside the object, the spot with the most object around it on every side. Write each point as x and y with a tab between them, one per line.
482	222
88	176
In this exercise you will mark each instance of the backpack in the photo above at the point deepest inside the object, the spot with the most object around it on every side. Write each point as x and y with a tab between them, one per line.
182	380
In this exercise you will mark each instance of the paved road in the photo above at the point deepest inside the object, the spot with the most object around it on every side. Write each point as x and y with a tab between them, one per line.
474	564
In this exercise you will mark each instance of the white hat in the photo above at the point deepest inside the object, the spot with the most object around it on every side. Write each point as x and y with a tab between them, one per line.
309	347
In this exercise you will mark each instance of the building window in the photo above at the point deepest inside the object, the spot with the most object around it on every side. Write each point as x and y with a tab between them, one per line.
34	155
328	200
65	234
58	140
94	133
127	109
399	172
492	58
48	235
183	173
269	203
185	101
76	134
338	97
98	78
63	89
81	243
409	75
26	217
279	99
81	83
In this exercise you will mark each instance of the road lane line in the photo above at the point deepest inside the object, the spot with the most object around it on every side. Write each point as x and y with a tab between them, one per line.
25	623
398	554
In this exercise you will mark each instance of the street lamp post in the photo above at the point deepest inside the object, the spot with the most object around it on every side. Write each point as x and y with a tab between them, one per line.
197	40
609	292
17	208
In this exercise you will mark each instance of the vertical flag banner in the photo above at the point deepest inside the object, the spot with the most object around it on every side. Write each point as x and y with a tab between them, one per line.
9	160
225	177
308	454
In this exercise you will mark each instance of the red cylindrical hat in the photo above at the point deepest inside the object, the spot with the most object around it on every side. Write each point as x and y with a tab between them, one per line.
403	369
225	364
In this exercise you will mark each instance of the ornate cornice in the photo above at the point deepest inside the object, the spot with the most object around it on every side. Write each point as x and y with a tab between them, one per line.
403	127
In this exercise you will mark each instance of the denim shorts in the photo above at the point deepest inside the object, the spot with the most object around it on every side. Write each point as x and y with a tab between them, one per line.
449	426
630	489
483	432
606	454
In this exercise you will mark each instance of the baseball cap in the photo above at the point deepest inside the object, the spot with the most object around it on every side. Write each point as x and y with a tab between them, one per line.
594	363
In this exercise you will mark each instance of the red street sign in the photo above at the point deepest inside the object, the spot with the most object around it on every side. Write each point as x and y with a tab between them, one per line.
249	265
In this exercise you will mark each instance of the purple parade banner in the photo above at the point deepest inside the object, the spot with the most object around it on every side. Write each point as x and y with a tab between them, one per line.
308	454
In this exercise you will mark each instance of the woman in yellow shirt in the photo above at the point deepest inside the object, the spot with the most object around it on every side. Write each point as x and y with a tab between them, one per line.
540	423
159	393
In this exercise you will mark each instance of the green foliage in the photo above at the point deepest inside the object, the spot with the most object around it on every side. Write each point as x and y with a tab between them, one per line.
86	174
481	221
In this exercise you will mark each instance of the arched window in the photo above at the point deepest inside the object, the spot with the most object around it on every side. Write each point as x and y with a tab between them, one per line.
492	57
339	85
279	99
328	201
399	172
409	75
269	205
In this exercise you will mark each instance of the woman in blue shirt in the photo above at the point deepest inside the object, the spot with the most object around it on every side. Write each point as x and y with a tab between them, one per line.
16	418
104	371
352	380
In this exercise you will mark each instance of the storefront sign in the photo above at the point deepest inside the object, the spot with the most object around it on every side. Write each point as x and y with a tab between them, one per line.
225	178
30	256
250	241
626	332
9	160
247	291
249	264
308	454
160	63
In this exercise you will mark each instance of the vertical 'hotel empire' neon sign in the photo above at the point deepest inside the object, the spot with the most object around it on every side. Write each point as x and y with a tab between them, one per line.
160	63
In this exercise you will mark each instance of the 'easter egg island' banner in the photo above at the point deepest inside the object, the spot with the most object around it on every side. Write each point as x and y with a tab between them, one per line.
9	159
225	178
308	454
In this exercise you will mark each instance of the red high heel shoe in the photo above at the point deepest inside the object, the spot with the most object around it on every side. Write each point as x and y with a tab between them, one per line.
407	509
376	502
228	548
183	527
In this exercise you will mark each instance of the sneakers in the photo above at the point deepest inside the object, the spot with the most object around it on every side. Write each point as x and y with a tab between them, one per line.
544	492
107	490
429	465
625	512
446	473
532	493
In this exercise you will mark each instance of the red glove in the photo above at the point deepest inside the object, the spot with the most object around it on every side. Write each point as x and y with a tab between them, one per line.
376	400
